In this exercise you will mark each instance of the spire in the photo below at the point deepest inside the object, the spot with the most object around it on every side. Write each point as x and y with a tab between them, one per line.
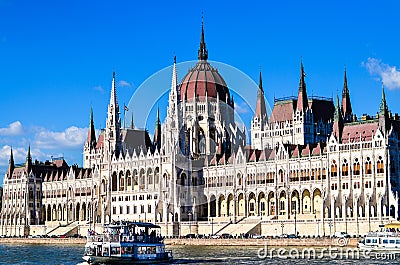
338	121
260	104
132	125
346	104
174	81
383	107
202	53
91	139
157	133
260	86
384	121
113	97
11	164
302	100
28	163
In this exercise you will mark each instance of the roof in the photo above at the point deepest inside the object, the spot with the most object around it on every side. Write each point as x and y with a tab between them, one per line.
204	80
359	131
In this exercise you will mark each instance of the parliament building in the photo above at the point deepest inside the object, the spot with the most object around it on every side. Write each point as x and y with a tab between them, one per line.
312	168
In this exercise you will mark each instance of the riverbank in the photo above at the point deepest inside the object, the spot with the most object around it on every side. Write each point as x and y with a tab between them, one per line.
306	242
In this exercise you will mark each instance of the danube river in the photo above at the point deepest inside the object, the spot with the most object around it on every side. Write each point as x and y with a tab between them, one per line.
71	255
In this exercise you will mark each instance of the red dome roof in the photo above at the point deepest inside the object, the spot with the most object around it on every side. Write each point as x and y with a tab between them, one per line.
204	80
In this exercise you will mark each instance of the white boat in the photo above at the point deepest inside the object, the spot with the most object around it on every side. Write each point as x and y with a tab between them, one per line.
127	243
388	239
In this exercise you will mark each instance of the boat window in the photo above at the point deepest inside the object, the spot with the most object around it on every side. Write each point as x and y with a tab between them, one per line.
115	250
385	241
374	241
368	241
397	241
391	241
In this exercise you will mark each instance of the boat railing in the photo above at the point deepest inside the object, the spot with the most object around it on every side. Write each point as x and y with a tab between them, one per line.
125	238
383	234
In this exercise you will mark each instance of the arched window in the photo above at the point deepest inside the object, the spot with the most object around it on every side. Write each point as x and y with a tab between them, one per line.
356	167
380	165
368	166
345	168
333	169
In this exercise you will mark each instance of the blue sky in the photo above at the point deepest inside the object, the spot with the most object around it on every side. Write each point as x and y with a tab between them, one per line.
57	57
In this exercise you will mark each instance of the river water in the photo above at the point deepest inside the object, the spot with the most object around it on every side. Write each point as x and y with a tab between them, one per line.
72	255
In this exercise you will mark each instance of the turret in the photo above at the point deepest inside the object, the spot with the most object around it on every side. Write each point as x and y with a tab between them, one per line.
11	165
261	112
338	122
157	133
346	105
28	162
113	124
302	100
383	115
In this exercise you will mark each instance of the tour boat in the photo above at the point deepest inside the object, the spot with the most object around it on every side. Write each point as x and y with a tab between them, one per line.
388	239
127	243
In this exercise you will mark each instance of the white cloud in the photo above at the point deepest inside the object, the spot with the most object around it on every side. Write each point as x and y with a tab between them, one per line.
241	108
389	75
99	88
124	83
72	137
19	155
14	128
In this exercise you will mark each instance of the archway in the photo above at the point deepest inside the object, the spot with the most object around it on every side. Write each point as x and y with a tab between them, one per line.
295	202
222	206
262	204
252	204
271	203
213	206
306	201
317	201
282	203
241	205
231	205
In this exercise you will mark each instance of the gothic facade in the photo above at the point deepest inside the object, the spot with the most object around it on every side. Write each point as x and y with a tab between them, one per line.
310	161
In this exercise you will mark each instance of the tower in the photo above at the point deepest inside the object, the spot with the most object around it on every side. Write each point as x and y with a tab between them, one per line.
338	122
346	105
303	120
260	119
11	165
383	116
90	144
113	125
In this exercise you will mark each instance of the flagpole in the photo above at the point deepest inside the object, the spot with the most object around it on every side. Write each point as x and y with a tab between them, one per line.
124	116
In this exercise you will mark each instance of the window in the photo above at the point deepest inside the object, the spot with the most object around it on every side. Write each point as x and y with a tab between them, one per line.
356	167
141	208
379	165
368	166
345	168
149	208
333	169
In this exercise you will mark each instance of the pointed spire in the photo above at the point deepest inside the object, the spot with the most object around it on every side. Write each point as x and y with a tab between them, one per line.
345	88
260	104
174	81
384	121
157	133
346	104
28	163
11	164
338	121
113	97
302	100
383	106
202	53
132	125
91	138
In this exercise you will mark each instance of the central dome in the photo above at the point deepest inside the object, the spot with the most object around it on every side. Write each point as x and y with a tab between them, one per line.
204	80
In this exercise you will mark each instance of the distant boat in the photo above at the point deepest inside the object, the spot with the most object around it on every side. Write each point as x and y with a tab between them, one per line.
388	239
127	243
